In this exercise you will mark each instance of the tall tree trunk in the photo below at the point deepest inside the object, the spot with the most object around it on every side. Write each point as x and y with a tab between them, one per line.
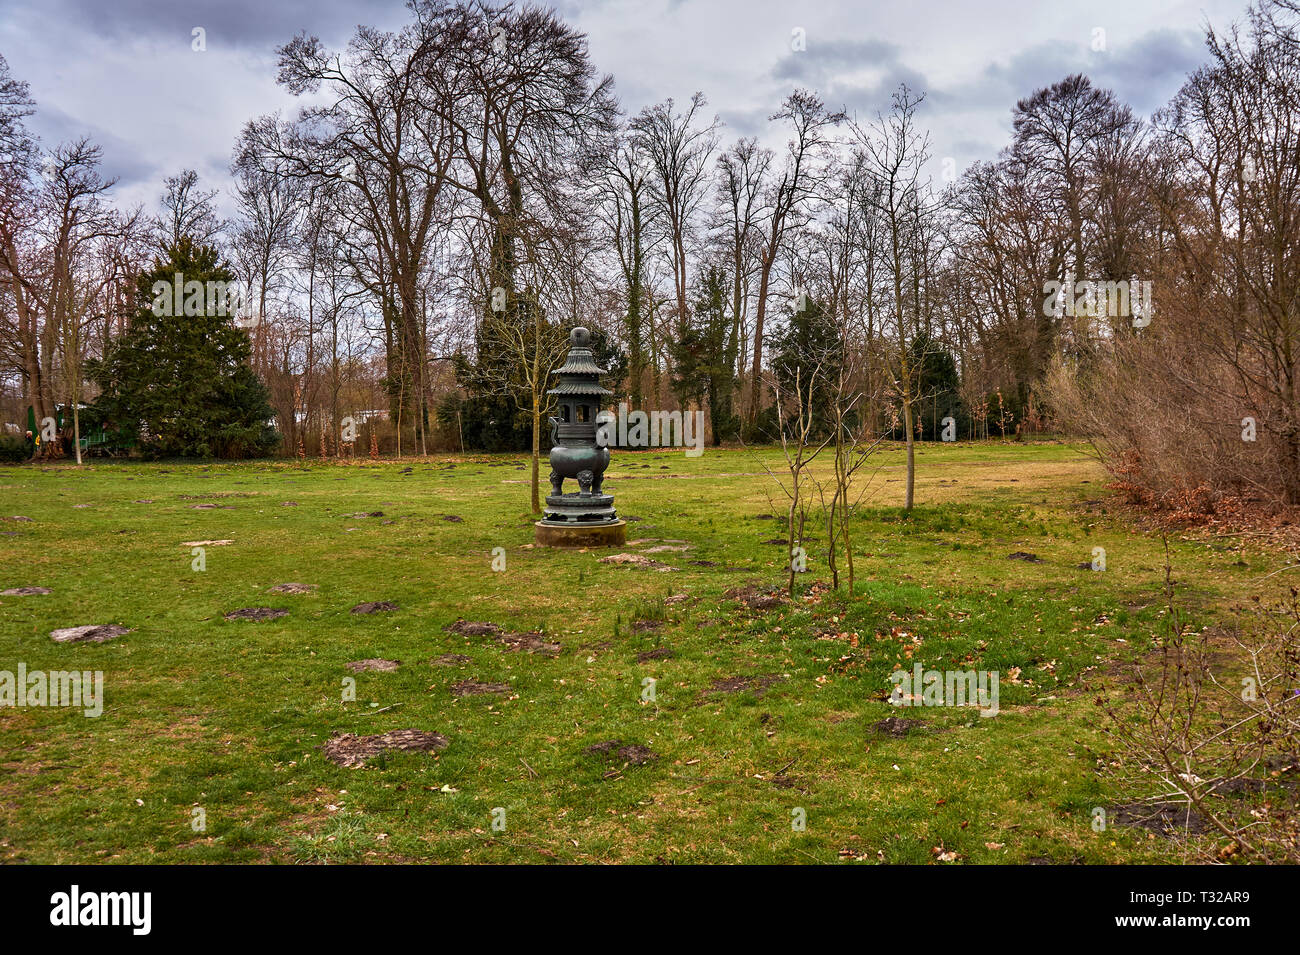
760	312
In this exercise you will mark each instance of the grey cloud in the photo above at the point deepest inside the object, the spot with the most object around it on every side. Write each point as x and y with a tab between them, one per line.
1149	72
1144	73
240	23
121	158
823	59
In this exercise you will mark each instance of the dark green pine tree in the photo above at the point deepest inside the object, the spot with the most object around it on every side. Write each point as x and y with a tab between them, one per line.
938	389
701	368
806	356
180	376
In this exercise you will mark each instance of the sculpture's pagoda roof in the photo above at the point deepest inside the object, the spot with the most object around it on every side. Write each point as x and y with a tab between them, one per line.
579	375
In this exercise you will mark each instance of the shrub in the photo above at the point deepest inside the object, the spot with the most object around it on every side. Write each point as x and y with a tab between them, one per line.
14	449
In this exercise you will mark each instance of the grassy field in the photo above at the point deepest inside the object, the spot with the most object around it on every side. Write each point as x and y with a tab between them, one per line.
761	715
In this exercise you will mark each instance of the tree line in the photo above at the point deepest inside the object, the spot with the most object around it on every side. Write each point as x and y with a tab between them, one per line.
415	242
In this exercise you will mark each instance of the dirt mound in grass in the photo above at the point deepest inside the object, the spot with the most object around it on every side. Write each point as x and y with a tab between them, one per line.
637	560
374	663
257	614
378	606
473	628
352	751
897	727
756	597
292	589
1026	557
532	641
658	653
95	633
450	660
615	750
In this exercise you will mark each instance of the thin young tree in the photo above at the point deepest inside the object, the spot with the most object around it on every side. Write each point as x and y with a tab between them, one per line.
895	152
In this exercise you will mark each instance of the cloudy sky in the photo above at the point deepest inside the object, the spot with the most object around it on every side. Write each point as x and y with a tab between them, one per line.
124	71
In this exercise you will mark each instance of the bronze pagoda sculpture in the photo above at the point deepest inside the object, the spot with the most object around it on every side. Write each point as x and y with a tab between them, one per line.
584	518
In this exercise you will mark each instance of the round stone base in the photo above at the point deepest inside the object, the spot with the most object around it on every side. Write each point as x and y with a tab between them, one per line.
580	535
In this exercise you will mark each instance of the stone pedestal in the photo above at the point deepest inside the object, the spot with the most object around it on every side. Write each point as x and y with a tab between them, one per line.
581	535
580	509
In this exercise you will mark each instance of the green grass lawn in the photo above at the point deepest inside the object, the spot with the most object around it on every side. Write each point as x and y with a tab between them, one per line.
230	716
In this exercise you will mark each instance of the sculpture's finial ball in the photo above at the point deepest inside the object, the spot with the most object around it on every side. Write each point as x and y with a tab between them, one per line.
580	337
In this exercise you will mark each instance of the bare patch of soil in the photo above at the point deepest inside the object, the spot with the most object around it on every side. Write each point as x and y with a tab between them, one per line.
1165	819
475	688
896	726
658	653
352	751
95	633
257	614
1026	557
292	589
377	606
374	663
450	660
644	626
473	628
615	750
637	560
756	598
533	642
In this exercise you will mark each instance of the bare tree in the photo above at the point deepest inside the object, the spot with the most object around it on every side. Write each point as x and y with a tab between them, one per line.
679	146
741	176
802	175
630	219
188	210
269	204
385	137
895	152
